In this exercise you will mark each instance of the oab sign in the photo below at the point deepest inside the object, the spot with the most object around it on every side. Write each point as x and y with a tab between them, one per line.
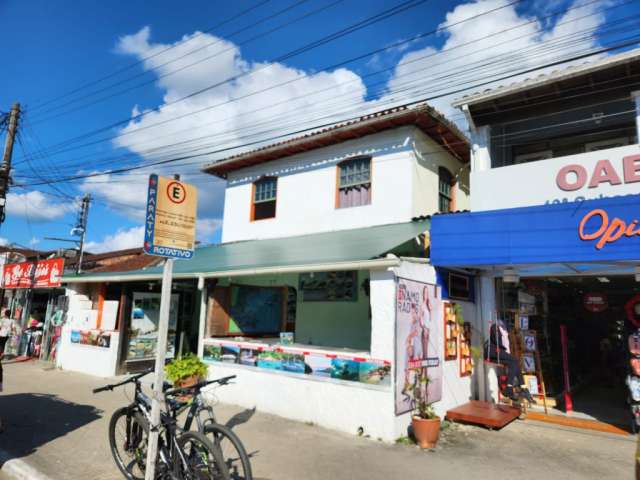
586	176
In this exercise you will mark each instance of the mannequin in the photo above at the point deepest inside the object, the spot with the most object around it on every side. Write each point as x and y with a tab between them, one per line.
497	349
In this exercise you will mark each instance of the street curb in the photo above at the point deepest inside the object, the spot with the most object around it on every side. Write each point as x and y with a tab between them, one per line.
19	469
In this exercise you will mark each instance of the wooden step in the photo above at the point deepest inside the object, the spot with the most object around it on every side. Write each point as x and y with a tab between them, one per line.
487	414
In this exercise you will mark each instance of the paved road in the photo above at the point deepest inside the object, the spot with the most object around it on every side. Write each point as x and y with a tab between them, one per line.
58	426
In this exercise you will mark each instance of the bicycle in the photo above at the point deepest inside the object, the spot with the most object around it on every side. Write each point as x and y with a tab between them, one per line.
233	451
182	455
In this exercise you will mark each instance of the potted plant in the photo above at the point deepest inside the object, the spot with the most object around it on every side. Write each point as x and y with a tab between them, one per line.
186	371
425	422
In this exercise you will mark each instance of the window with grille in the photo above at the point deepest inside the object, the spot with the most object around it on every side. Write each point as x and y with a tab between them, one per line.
354	182
265	192
445	190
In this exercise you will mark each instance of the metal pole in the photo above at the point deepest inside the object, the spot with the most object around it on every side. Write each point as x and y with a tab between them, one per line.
161	349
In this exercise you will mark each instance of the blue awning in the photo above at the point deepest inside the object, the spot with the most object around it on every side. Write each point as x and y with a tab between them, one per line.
589	232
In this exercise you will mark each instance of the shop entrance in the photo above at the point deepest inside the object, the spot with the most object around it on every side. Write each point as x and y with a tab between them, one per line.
594	350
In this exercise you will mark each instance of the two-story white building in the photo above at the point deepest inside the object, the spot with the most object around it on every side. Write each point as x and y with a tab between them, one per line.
320	297
553	231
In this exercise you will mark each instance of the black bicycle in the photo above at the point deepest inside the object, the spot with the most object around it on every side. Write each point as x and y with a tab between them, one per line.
182	455
233	451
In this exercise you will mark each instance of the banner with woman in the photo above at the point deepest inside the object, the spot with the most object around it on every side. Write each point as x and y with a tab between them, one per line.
418	344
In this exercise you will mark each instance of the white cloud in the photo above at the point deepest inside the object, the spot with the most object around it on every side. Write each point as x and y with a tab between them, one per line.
122	239
222	126
464	60
4	241
34	241
36	207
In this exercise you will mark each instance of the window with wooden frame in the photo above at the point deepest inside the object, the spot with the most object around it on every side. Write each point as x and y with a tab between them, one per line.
354	182
263	200
445	190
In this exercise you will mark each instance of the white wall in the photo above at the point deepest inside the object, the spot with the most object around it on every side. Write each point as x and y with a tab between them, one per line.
429	157
331	404
89	359
401	188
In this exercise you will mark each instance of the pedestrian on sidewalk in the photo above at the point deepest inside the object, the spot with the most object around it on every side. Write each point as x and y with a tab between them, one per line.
7	328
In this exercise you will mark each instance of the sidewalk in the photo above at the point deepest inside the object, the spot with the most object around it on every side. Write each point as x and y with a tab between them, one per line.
56	425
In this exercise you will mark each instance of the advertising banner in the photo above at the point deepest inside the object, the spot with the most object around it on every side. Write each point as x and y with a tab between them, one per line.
418	344
170	218
40	274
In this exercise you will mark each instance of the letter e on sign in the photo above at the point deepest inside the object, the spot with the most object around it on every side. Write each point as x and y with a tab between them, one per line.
176	192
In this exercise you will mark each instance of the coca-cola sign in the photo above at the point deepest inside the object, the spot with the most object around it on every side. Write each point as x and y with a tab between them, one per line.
40	274
595	302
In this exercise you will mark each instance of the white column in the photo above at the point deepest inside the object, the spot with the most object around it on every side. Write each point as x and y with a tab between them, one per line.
486	300
635	96
480	149
202	319
383	314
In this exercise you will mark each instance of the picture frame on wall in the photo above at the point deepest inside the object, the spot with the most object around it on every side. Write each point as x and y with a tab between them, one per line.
529	343
528	363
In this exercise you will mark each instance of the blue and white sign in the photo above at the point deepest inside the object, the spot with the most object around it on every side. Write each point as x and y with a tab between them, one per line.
578	232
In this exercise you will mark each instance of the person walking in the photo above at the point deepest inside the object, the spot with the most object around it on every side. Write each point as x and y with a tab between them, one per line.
8	328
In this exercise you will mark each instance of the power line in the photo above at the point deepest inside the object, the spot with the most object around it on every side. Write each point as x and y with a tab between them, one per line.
431	80
157	67
275	86
310	46
477	85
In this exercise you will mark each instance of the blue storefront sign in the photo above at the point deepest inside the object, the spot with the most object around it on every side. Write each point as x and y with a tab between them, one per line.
588	231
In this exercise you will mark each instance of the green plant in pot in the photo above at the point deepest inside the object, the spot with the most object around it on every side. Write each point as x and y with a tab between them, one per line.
425	422
186	370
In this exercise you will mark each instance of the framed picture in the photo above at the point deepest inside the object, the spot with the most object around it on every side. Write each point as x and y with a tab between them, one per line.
524	322
529	341
528	363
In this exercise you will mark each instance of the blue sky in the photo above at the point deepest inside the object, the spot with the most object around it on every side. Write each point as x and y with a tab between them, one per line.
58	47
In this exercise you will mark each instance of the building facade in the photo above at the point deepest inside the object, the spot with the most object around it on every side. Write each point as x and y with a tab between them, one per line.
325	247
553	235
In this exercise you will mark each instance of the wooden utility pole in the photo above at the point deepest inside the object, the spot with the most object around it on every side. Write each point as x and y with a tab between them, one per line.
82	228
5	168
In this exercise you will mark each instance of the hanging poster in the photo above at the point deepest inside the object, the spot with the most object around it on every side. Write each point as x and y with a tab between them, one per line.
418	344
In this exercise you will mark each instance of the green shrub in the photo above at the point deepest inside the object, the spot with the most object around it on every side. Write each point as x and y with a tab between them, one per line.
187	366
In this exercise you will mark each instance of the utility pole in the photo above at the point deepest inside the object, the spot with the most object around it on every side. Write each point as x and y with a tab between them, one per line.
81	228
5	168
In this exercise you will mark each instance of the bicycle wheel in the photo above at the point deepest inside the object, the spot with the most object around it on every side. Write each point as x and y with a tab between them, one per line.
128	442
204	460
234	454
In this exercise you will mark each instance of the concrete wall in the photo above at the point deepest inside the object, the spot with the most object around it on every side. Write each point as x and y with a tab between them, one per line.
89	359
342	406
429	158
404	184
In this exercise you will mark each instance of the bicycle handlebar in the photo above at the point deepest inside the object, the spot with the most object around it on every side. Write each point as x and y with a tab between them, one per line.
131	379
201	385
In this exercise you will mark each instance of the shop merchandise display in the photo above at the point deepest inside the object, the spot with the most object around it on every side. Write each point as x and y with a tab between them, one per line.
633	379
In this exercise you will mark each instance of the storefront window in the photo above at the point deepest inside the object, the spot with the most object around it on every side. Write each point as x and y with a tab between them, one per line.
143	330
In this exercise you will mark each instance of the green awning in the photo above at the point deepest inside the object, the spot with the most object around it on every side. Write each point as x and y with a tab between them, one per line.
329	250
